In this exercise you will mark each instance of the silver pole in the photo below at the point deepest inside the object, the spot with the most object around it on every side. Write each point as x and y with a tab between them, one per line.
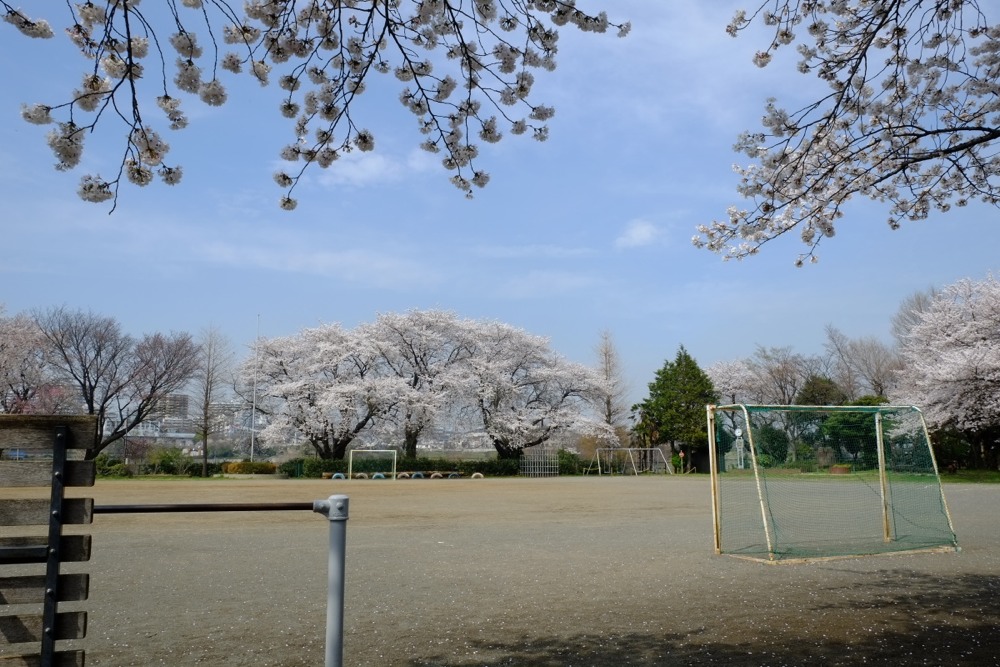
253	413
335	509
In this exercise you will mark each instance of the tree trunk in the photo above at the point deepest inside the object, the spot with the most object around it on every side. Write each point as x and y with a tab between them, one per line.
410	437
204	455
506	451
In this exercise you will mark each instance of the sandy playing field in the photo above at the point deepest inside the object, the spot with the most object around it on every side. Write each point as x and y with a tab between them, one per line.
550	572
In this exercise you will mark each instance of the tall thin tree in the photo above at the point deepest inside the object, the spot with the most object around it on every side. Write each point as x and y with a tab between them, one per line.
613	398
214	374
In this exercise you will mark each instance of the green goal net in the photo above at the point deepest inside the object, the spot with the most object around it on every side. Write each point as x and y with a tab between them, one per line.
800	482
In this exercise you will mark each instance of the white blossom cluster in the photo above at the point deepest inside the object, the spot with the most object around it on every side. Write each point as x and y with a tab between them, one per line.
467	66
400	376
912	120
38	28
22	367
952	357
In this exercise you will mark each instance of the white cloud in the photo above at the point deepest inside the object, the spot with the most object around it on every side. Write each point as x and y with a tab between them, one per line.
359	266
358	169
637	234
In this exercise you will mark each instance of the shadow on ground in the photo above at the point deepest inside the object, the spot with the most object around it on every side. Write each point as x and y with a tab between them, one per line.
931	620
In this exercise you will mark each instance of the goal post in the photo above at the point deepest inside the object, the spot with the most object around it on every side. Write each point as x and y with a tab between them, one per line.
802	482
630	461
381	454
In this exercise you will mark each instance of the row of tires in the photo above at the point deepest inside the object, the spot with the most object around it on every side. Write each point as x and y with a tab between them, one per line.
408	475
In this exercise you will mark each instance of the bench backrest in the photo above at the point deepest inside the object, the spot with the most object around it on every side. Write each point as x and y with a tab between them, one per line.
42	455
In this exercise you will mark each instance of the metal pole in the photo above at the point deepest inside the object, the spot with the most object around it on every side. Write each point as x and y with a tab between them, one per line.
713	467
335	509
882	478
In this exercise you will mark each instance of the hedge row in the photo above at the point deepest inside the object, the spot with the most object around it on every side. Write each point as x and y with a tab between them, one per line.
186	466
249	468
569	464
109	467
313	467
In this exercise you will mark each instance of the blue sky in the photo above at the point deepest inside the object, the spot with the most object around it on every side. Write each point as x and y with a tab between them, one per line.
588	231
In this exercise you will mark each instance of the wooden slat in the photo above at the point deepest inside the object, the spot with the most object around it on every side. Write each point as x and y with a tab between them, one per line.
72	548
61	659
39	473
31	589
37	432
35	511
23	628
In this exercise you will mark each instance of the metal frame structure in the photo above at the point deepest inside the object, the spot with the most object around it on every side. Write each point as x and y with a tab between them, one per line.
539	461
749	440
630	459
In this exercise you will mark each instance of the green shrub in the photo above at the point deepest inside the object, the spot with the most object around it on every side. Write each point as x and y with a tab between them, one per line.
103	464
293	468
168	461
249	468
194	469
496	467
314	467
372	464
117	470
570	463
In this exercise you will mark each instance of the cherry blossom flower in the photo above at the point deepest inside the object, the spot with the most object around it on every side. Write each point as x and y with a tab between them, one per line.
326	55
94	189
918	132
212	93
38	114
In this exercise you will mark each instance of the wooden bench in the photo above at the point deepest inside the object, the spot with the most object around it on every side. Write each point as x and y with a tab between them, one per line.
47	458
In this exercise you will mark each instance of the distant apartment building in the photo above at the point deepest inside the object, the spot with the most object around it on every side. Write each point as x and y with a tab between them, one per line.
172	406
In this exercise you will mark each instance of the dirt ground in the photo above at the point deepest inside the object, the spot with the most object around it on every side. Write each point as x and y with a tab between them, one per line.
537	572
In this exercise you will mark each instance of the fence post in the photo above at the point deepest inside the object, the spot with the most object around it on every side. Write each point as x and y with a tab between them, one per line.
335	509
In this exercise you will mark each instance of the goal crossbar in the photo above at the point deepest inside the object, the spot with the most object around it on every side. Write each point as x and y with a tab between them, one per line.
350	460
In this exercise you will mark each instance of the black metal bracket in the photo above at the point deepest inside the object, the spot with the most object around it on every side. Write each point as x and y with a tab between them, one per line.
63	437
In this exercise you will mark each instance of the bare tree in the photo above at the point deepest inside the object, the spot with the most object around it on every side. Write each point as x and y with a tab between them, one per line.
780	373
867	363
613	397
213	374
121	380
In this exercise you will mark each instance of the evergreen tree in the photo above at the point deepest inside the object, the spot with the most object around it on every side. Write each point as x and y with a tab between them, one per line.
674	411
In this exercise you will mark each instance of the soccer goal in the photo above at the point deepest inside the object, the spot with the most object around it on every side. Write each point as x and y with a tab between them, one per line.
385	460
629	461
803	482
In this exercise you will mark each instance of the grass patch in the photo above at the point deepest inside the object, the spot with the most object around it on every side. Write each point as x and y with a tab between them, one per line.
972	476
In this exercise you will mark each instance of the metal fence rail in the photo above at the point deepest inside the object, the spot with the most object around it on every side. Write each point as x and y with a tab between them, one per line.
335	509
202	507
